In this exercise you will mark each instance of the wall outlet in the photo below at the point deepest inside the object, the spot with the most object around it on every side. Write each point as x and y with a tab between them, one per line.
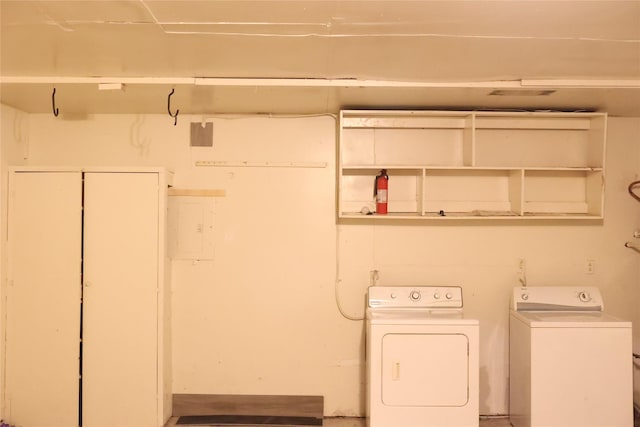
522	271
589	266
522	265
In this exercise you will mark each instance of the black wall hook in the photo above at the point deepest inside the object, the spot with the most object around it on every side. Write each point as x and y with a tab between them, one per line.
631	192
175	116
53	102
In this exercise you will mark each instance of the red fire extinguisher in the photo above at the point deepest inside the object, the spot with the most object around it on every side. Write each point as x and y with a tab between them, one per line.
380	191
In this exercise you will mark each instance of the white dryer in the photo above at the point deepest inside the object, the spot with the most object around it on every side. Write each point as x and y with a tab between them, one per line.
570	363
422	358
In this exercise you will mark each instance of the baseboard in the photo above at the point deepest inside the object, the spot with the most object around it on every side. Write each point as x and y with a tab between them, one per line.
239	404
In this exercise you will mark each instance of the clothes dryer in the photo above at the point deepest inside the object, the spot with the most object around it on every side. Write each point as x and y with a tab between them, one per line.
422	358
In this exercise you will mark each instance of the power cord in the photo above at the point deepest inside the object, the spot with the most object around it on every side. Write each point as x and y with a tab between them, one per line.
336	286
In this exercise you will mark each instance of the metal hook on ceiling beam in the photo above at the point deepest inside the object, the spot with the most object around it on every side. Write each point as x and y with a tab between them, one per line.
631	192
175	116
631	246
53	103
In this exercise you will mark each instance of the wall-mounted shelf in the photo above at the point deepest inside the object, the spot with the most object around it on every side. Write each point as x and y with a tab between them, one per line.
469	164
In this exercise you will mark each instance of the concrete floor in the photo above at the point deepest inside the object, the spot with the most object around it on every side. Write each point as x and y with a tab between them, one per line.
362	422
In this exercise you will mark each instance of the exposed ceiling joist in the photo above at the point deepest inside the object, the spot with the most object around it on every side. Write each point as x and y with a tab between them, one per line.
341	51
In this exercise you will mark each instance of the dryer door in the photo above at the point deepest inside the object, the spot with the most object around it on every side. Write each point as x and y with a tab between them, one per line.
425	370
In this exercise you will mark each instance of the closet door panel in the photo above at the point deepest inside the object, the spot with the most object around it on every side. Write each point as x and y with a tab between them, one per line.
120	300
43	299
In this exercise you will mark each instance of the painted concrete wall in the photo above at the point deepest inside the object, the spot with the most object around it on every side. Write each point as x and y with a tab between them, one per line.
14	139
631	132
260	317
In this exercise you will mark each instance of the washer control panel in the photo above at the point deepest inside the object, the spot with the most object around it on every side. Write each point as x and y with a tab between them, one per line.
415	296
557	298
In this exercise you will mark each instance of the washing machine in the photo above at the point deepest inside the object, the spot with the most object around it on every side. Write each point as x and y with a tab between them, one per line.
570	362
422	358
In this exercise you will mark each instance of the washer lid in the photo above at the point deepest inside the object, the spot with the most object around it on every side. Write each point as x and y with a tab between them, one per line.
570	319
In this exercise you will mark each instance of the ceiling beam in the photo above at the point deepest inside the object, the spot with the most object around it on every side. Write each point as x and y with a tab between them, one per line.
311	82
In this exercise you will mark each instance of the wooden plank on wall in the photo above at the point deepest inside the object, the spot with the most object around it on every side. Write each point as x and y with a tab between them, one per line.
232	404
196	192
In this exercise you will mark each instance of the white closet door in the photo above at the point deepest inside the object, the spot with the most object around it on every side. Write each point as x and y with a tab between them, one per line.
120	325
43	299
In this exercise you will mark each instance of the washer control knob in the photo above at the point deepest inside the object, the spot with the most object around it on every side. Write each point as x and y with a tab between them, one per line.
584	296
436	296
524	297
448	295
414	295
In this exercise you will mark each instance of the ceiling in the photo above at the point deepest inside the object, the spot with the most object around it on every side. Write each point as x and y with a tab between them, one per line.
305	56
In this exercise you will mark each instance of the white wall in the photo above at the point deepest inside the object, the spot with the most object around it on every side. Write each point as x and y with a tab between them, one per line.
14	132
260	318
632	132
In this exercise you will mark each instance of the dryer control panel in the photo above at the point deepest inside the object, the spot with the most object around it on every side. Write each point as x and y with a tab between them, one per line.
415	296
557	298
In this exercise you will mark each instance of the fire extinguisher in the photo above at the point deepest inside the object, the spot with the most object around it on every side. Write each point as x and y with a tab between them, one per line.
380	192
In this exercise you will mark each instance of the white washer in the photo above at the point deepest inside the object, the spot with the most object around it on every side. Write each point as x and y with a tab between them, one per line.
422	358
570	363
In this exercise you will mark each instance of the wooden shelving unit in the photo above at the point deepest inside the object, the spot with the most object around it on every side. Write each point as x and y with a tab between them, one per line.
473	164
